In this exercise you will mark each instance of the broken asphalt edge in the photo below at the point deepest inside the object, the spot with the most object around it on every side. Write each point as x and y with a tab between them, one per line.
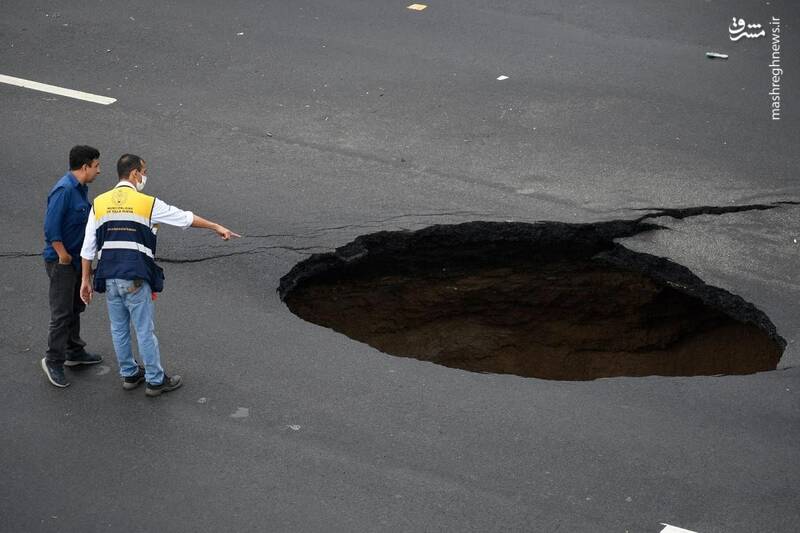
597	238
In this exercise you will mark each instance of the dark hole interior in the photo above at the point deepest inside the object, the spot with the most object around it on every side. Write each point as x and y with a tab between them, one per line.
552	316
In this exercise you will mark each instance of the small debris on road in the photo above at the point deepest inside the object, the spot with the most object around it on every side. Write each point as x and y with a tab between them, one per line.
502	77
241	412
714	55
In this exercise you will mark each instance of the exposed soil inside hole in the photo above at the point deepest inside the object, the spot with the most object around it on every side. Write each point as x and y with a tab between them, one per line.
566	308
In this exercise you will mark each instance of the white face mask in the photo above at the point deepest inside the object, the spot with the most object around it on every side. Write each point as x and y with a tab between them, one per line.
141	184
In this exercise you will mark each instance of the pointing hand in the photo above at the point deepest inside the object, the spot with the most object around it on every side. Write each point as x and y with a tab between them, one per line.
225	233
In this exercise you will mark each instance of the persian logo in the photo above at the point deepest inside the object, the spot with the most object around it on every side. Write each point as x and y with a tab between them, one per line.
738	27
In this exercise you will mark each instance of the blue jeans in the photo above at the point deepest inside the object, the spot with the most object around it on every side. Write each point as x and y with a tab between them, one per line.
128	303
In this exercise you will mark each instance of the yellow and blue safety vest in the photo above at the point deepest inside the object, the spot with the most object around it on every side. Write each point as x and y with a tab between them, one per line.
126	238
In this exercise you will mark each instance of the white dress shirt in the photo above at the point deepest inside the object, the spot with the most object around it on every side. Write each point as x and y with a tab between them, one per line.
162	214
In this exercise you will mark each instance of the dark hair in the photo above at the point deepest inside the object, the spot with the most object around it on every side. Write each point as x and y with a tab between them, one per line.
82	155
127	163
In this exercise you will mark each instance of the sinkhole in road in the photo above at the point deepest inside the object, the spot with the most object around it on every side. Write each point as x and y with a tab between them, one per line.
547	300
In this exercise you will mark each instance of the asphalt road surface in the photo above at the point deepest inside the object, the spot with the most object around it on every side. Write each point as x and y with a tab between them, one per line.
304	124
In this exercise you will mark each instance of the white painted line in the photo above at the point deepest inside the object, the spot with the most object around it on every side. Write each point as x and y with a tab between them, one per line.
673	529
52	89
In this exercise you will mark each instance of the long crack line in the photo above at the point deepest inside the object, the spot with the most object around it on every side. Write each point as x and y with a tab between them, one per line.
366	224
677	213
681	213
14	255
259	250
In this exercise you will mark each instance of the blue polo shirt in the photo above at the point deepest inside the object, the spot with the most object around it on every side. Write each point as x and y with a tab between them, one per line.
65	220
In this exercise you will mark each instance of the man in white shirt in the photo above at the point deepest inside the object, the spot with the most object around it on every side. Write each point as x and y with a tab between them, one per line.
121	232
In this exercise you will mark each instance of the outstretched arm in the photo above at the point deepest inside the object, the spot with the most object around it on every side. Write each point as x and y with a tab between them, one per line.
222	231
168	214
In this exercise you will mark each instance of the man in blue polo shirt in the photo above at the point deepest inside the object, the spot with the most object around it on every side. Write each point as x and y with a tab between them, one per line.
64	225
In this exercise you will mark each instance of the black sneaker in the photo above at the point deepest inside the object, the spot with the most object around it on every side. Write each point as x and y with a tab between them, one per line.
55	374
82	358
169	383
131	382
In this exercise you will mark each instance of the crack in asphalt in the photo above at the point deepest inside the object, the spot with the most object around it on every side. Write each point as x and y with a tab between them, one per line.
253	251
655	212
14	255
685	212
265	137
366	223
396	162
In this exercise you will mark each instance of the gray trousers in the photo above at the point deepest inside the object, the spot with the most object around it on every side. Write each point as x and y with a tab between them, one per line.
66	306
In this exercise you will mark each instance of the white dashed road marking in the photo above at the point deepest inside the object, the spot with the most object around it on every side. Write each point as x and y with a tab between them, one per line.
673	529
52	89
